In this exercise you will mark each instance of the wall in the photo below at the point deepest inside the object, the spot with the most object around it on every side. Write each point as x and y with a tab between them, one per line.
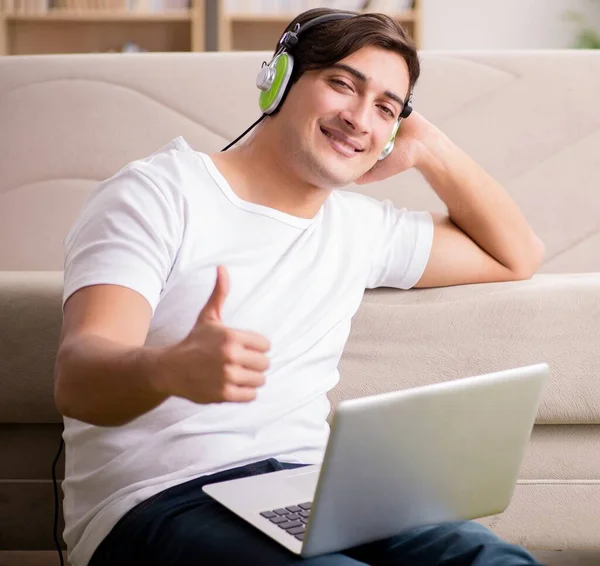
502	24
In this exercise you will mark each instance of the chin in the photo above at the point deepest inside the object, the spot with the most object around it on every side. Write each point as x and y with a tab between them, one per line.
334	177
331	173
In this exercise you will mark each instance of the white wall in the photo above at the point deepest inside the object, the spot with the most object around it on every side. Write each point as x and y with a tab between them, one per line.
502	24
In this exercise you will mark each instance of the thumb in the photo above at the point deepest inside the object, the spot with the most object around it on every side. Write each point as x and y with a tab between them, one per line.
213	308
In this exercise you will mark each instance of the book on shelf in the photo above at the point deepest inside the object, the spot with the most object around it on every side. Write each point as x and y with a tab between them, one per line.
388	6
87	5
24	6
159	5
42	6
265	6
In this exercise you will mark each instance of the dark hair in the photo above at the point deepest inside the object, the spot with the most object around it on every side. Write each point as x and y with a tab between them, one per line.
329	42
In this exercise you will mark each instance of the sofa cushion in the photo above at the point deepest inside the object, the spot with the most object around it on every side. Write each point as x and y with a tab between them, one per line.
551	515
30	324
563	453
404	339
399	339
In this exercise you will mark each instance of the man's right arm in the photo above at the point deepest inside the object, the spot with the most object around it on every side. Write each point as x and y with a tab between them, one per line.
103	373
106	376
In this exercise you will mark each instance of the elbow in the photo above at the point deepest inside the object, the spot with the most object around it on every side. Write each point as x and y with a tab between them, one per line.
61	396
68	400
74	400
540	251
537	255
65	388
532	262
62	404
66	403
63	407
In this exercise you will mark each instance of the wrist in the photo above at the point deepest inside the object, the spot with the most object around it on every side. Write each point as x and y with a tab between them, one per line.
433	146
155	369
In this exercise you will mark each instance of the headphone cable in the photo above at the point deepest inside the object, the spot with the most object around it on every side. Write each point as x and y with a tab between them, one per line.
54	483
242	135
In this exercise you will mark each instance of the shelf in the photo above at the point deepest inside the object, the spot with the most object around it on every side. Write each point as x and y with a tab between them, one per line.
100	30
257	31
67	30
58	15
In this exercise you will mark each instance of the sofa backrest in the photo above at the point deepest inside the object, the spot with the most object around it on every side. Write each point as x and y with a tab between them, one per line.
68	121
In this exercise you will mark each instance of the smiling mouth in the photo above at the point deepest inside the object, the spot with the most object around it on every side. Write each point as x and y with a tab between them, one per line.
345	145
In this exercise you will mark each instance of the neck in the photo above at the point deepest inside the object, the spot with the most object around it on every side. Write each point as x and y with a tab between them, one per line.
261	171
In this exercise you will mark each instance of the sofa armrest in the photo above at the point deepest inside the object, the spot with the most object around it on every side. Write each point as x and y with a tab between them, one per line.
30	324
404	339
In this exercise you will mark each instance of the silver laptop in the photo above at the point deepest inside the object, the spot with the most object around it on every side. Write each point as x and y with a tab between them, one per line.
442	452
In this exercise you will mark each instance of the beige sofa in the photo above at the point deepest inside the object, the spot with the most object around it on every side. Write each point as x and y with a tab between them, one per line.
531	119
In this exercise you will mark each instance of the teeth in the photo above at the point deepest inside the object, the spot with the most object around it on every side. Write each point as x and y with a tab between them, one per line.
338	140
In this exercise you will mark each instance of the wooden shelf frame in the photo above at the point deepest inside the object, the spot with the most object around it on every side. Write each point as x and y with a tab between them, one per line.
173	30
40	32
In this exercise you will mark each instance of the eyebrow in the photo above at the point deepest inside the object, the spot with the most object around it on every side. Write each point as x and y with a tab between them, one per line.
363	78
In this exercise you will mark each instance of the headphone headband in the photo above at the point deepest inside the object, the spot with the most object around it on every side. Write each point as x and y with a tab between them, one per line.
290	38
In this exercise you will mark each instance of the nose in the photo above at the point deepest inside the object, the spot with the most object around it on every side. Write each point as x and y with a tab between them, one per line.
357	118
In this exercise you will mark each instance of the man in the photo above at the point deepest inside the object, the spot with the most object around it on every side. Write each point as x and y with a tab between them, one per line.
208	300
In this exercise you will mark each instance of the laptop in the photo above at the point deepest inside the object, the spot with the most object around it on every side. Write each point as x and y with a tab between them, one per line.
395	461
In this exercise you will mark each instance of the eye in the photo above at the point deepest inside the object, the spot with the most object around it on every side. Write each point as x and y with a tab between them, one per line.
387	110
341	83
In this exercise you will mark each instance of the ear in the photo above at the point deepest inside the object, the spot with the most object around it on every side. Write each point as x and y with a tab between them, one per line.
273	80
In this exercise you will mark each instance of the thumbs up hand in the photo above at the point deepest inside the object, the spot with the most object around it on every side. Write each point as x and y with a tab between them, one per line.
214	363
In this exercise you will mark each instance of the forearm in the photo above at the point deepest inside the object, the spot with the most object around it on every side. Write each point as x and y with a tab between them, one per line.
479	205
105	384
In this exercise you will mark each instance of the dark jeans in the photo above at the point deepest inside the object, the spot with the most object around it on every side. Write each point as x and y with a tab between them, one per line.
182	526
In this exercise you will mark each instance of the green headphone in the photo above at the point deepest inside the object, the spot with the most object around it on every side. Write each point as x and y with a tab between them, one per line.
273	79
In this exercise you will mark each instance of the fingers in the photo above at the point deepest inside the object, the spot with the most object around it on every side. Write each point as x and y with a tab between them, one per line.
242	377
250	359
252	340
241	385
235	394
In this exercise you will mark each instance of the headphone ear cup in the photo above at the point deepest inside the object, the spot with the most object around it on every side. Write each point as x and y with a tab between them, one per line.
406	111
281	70
389	146
407	107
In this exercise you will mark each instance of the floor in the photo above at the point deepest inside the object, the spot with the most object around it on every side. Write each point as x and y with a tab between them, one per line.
566	558
547	558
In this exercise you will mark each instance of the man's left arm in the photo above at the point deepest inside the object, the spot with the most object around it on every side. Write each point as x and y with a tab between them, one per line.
485	236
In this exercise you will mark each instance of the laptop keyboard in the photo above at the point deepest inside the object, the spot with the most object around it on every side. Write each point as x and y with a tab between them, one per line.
292	519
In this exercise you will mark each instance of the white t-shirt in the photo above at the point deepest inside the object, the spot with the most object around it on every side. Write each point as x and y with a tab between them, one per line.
160	226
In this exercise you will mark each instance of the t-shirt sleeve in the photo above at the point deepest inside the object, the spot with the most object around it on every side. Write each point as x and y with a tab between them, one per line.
402	247
127	234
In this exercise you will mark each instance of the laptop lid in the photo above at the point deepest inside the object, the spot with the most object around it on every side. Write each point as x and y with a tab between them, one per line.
425	455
